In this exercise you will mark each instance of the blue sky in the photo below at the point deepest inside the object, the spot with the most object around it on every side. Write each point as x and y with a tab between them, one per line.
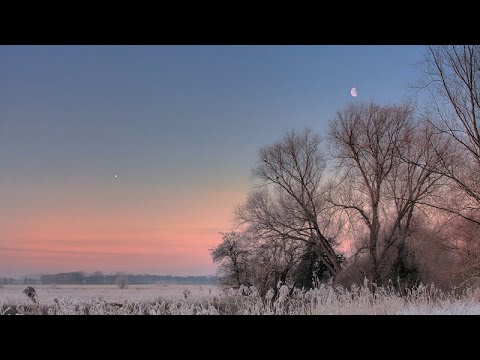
180	120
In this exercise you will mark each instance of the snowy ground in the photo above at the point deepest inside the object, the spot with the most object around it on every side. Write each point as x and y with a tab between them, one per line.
13	294
195	299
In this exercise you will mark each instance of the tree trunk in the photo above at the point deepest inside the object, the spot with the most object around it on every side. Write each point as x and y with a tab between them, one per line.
374	231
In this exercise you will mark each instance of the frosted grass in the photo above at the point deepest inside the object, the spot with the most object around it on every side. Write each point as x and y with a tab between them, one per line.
211	300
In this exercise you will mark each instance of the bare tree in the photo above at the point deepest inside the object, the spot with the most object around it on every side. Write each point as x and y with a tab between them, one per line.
261	262
274	260
122	281
289	204
462	239
232	255
379	149
453	80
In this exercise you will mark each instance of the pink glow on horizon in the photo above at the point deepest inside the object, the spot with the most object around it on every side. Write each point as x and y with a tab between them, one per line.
160	242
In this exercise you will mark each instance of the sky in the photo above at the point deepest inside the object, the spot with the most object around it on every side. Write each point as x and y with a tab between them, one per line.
180	126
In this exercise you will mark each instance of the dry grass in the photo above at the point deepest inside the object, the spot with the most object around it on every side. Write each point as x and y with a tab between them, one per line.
195	300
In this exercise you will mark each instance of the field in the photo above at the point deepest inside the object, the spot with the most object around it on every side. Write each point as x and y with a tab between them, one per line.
211	300
13	294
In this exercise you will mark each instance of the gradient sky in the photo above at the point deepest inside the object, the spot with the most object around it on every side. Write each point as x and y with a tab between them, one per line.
180	125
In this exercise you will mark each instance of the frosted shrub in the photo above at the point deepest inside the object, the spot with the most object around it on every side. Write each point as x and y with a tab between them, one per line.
31	294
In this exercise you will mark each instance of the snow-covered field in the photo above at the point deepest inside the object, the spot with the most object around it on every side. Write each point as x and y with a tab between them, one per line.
13	294
194	299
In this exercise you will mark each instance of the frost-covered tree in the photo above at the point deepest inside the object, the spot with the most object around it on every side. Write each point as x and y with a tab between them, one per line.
453	82
387	168
288	204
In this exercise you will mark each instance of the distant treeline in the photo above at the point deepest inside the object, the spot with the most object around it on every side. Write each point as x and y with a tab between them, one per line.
5	281
75	278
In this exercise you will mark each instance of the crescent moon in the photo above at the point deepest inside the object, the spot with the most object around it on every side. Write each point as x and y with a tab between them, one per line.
353	92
